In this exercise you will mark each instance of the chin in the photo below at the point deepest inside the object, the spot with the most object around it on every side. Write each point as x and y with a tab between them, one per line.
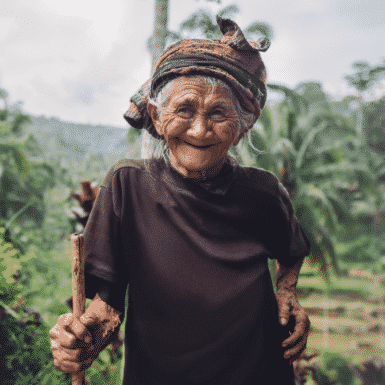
198	165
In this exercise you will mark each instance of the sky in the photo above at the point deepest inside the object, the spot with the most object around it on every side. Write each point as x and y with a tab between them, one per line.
82	60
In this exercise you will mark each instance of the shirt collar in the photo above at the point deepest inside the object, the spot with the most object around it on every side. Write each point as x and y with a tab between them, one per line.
219	184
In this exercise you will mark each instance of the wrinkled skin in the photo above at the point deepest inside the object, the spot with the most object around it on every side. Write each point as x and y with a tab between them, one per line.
76	343
199	124
290	312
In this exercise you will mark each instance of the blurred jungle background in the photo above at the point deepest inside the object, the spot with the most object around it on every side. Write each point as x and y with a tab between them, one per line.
327	146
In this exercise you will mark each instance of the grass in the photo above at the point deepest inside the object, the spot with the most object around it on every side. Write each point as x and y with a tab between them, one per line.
355	347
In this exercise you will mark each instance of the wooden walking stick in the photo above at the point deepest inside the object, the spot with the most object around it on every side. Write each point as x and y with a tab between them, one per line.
78	288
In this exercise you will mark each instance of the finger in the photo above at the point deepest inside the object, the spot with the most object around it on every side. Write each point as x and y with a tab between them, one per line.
78	197
62	337
89	321
301	331
294	353
295	348
80	331
67	366
65	354
65	321
283	311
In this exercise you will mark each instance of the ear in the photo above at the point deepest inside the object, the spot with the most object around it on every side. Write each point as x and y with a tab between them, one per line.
153	112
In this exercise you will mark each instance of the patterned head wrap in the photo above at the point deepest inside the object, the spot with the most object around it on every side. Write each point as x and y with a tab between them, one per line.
233	59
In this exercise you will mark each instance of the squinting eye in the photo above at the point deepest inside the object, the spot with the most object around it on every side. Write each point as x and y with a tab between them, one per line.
217	115
184	112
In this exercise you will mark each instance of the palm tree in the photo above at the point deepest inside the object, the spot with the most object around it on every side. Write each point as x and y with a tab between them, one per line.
202	24
317	156
156	44
363	80
365	77
308	154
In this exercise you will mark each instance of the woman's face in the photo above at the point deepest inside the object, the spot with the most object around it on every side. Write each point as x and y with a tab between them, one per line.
199	123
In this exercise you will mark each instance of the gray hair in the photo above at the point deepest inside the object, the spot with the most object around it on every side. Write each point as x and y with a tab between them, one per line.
160	147
246	118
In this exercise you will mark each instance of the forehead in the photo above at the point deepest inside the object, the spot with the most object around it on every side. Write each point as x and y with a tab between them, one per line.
189	88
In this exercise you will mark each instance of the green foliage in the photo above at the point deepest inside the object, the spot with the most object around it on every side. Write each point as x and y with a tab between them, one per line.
10	264
203	23
373	126
133	135
371	372
294	149
43	283
318	157
314	150
365	75
24	343
335	368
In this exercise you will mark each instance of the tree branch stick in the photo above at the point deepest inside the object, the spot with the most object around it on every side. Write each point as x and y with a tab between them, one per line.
78	288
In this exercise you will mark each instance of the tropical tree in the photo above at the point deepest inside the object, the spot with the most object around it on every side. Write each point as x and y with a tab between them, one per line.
305	152
24	177
203	24
370	128
156	44
363	80
159	36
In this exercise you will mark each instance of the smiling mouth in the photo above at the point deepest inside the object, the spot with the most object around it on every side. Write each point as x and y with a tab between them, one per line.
208	146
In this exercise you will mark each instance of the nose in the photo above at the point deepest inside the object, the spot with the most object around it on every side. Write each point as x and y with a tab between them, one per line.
199	127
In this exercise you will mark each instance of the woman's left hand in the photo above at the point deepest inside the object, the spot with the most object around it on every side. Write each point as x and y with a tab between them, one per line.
289	308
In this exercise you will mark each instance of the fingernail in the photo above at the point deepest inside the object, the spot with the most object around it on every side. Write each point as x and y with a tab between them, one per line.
283	321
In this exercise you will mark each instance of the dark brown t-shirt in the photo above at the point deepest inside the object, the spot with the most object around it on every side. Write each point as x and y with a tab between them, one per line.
201	303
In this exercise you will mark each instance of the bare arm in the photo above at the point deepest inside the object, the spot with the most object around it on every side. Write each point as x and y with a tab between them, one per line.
288	306
75	344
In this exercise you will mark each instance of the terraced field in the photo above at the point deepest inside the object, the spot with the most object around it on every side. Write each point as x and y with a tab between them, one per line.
348	315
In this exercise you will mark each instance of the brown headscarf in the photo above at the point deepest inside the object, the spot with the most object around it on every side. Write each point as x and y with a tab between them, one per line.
233	59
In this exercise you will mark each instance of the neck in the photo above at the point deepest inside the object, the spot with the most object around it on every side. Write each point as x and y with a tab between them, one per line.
199	175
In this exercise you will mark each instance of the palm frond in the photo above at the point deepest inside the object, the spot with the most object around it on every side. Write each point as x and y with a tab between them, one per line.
202	21
344	167
173	36
316	197
308	140
338	123
295	101
336	144
21	162
328	245
264	159
340	208
377	71
322	250
228	12
284	148
258	28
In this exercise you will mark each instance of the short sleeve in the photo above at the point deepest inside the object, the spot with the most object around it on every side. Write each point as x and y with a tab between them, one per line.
105	270
299	244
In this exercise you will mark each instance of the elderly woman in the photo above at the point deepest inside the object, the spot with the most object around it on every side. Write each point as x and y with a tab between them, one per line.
191	233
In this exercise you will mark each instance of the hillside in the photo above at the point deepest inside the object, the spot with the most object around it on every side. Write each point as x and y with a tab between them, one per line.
75	139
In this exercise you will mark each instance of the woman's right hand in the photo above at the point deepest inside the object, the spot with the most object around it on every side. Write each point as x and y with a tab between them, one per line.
73	343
